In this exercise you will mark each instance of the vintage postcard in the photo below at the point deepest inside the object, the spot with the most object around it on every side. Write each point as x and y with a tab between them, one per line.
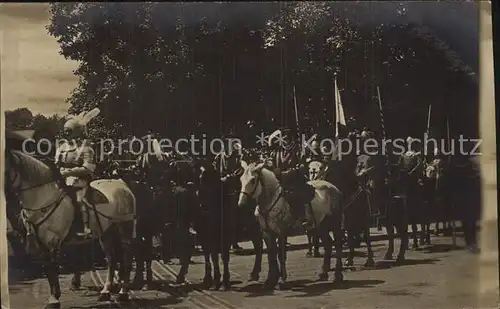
248	155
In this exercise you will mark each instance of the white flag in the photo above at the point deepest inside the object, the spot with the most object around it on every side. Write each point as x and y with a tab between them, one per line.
339	110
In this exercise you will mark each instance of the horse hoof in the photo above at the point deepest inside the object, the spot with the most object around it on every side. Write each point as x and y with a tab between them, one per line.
253	277
55	305
226	286
270	285
104	297
388	256
217	285
145	287
400	260
309	254
75	286
207	281
339	278
123	297
281	286
323	277
370	263
180	280
349	263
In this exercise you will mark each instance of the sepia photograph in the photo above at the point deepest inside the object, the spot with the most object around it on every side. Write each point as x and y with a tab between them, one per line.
224	155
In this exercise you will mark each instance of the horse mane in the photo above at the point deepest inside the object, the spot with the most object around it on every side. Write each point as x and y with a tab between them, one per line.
32	169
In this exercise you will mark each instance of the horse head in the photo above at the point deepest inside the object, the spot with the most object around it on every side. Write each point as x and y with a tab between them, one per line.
251	182
28	179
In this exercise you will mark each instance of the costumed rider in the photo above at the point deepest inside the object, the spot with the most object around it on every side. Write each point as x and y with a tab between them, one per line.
293	178
411	162
76	161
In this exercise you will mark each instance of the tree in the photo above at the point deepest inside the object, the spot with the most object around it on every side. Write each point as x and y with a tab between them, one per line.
18	119
178	68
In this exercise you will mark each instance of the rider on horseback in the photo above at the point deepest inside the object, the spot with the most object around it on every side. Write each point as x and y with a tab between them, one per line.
76	161
291	172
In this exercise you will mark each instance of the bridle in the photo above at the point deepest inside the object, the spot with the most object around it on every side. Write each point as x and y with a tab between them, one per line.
258	183
14	184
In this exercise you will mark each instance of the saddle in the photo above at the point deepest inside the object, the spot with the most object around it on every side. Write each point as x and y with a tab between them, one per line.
92	195
96	197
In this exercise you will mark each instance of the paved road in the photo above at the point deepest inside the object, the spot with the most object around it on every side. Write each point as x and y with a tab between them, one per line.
435	277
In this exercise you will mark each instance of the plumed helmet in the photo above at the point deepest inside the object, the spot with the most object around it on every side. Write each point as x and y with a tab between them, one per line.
79	122
72	124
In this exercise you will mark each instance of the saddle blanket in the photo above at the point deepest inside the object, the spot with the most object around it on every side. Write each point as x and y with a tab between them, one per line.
108	192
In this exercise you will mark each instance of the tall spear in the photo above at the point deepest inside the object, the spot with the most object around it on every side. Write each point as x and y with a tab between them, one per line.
296	112
453	228
386	158
427	131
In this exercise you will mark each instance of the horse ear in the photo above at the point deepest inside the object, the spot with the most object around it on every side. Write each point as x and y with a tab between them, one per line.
244	165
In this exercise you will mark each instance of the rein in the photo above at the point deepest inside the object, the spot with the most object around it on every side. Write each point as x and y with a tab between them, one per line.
17	177
47	210
251	195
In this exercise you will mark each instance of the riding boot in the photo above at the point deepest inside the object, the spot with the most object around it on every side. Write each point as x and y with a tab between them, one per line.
84	211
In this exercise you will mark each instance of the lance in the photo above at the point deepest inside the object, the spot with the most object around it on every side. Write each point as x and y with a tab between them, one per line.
428	130
453	228
386	156
296	112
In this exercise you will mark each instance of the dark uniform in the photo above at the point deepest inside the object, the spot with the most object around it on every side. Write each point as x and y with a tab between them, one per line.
290	169
466	191
229	167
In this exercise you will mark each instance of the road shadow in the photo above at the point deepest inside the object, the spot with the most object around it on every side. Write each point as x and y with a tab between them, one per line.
187	288
295	247
19	286
441	248
256	289
400	292
251	251
407	262
310	288
134	303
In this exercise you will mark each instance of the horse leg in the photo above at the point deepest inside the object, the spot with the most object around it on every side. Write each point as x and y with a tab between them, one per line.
316	245
139	262
207	279
258	247
309	244
76	281
402	229
55	289
282	260
351	244
125	234
149	259
217	276
327	244
226	281
414	236
390	235
369	261
273	273
106	244
338	234
184	255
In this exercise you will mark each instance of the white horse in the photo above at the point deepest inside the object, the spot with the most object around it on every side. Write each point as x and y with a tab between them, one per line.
49	212
275	218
